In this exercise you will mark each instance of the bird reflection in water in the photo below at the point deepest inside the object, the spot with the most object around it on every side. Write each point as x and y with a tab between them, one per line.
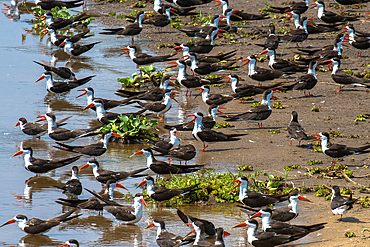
37	184
31	240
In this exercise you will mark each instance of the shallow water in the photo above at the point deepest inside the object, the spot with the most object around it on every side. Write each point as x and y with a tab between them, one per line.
34	196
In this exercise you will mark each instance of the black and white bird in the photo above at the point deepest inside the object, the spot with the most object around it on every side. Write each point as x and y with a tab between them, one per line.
38	226
73	186
339	150
338	204
295	130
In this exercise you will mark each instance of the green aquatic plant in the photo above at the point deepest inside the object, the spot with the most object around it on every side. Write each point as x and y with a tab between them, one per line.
129	127
149	74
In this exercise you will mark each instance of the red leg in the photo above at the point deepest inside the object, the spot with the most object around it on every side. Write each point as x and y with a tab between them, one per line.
309	94
304	92
170	160
299	144
190	94
39	137
204	147
161	119
332	163
296	46
340	88
341	217
290	143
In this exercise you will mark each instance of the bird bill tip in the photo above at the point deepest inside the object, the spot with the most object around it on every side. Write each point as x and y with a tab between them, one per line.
243	224
17	153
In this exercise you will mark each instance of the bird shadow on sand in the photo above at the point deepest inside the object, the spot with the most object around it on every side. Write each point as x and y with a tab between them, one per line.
352	220
256	128
312	96
308	243
224	149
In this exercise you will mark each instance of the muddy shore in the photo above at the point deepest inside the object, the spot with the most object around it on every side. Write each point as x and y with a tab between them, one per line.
261	148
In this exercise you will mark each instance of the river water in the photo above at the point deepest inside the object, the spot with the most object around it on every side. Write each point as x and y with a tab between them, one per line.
25	193
34	196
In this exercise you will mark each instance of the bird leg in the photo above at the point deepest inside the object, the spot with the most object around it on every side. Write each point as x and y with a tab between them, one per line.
161	119
132	40
260	125
340	88
296	46
332	163
290	143
299	144
170	160
204	147
341	217
359	53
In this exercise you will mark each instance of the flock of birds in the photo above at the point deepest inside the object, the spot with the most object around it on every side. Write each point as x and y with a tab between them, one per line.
275	230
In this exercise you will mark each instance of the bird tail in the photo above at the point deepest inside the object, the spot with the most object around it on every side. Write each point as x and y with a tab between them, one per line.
183	216
134	173
61	188
84	35
314	227
64	217
80	17
235	135
189	189
363	149
68	160
65	147
83	80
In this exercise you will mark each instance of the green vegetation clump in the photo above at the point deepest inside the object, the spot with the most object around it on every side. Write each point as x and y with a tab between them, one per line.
364	201
331	171
278	105
138	5
315	109
314	162
275	131
350	234
130	127
256	104
245	168
291	168
321	191
212	184
361	117
149	74
222	125
336	134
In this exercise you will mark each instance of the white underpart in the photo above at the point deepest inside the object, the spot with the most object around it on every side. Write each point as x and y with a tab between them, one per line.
234	82
251	233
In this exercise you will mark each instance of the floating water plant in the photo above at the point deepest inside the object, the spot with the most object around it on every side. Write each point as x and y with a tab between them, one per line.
132	128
